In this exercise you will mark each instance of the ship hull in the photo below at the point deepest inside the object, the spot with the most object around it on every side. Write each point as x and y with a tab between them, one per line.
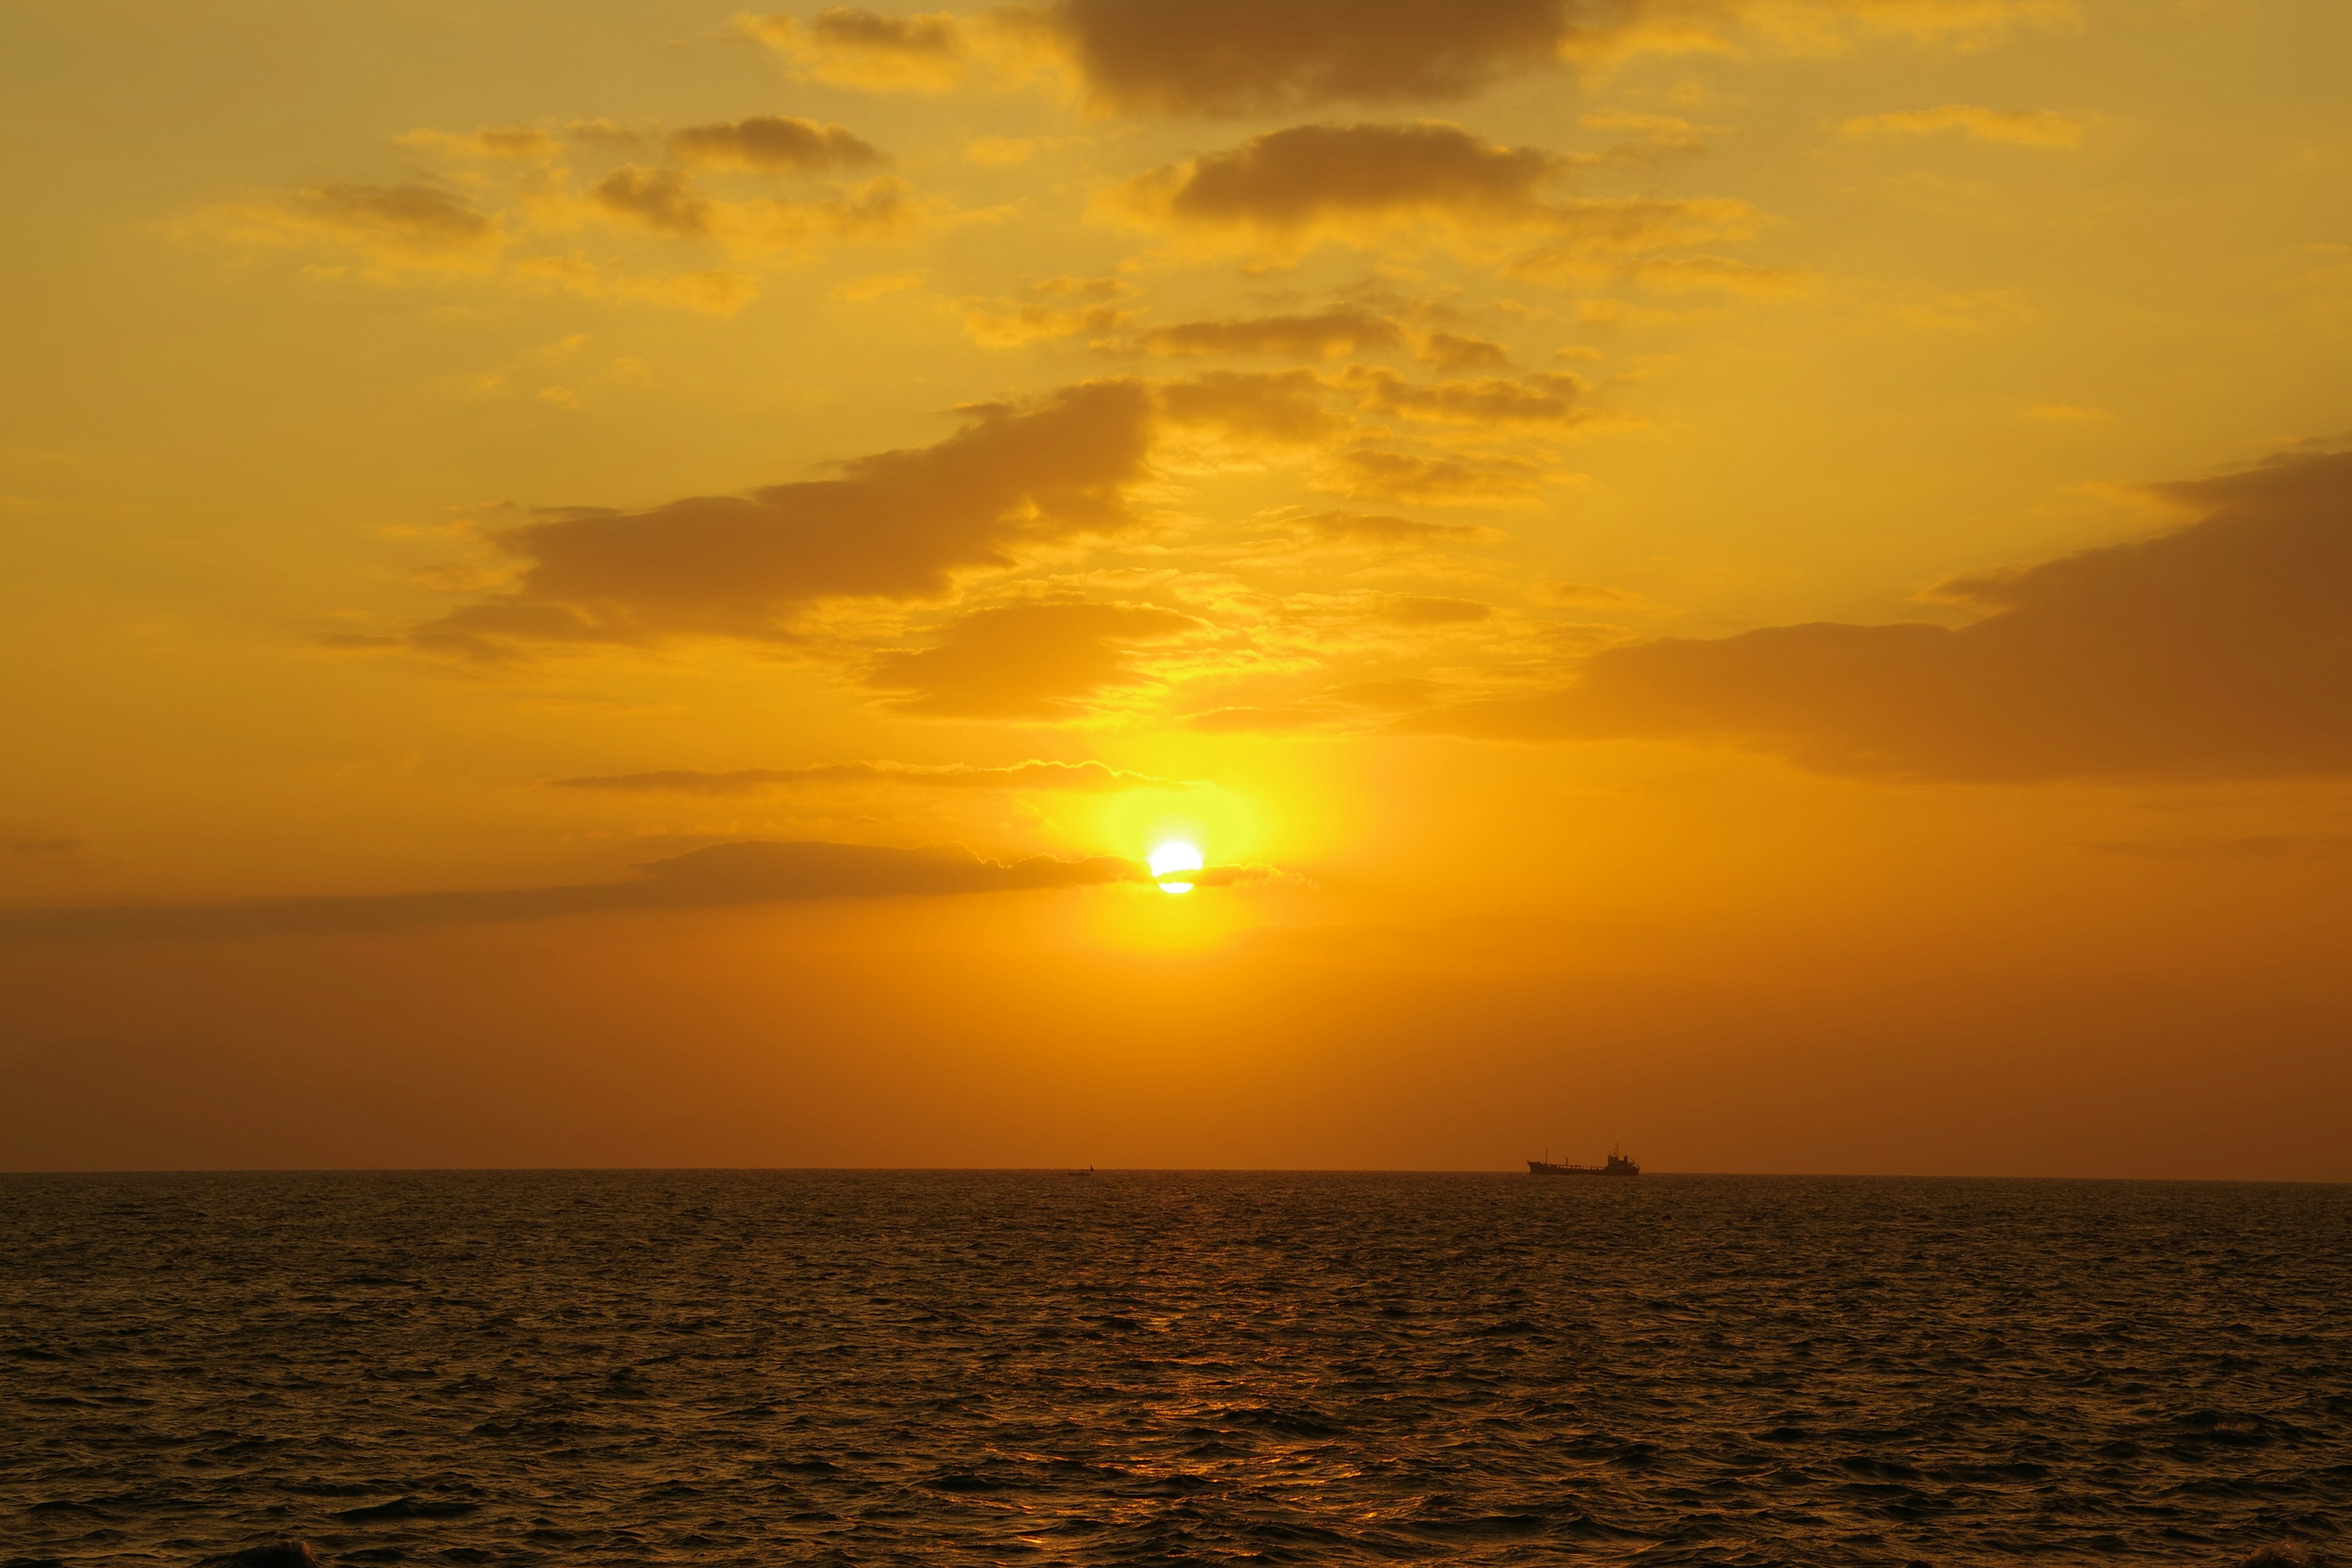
1614	1168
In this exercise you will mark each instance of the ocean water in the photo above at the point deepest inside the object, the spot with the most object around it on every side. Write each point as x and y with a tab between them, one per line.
936	1368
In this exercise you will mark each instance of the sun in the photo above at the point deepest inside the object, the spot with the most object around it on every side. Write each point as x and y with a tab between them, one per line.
1175	854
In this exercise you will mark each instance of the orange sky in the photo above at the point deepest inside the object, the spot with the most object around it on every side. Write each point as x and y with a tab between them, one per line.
1771	580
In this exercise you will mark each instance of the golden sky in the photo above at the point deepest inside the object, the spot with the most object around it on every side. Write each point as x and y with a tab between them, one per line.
633	583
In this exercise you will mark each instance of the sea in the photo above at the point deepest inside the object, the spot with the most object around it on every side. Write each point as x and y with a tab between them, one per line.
949	1367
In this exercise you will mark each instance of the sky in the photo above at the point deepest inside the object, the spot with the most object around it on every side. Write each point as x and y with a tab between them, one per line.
1764	582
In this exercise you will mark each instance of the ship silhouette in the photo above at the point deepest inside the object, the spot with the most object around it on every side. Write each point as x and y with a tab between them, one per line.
1618	1165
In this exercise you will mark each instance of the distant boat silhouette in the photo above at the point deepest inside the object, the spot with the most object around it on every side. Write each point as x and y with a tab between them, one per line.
1618	1165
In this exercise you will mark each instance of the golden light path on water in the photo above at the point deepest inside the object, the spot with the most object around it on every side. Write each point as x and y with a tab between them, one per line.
1175	854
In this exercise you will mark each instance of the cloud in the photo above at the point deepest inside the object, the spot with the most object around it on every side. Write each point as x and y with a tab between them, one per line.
1326	334
1025	661
850	48
1448	352
1369	473
1087	777
520	143
1342	707
1236	875
1233	57
717	876
1549	398
2221	650
1022	480
1239	56
663	200
1586	594
1287	184
529	144
416	224
1683	274
1431	610
420	230
1248	56
773	142
2014	128
1653	135
1599	238
998	152
1057	308
1398	696
1260	720
896	525
1827	27
668	202
879	285
1374	531
713	291
1251	408
1288	190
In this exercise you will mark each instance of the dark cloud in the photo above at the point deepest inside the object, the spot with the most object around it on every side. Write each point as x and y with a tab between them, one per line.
1239	56
896	525
424	217
1232	57
2221	650
663	200
1091	777
773	141
1553	397
1449	353
1292	180
713	877
1236	56
1325	334
1019	480
1025	661
1281	407
1425	183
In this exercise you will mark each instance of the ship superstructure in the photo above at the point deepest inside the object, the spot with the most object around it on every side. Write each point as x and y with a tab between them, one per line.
1618	1165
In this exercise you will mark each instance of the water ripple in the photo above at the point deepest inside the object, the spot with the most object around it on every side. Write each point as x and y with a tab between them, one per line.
935	1368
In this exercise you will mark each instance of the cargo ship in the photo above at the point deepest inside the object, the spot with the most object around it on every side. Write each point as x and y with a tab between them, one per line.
1618	1165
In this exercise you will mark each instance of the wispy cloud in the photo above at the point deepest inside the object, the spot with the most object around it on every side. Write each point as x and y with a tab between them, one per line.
2047	128
1088	777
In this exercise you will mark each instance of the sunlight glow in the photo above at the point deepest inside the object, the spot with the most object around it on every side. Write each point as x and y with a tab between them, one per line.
1176	856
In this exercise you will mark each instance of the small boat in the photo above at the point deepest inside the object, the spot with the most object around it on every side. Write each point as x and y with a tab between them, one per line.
1618	1165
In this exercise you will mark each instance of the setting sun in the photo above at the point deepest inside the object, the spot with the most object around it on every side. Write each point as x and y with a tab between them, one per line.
1175	856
